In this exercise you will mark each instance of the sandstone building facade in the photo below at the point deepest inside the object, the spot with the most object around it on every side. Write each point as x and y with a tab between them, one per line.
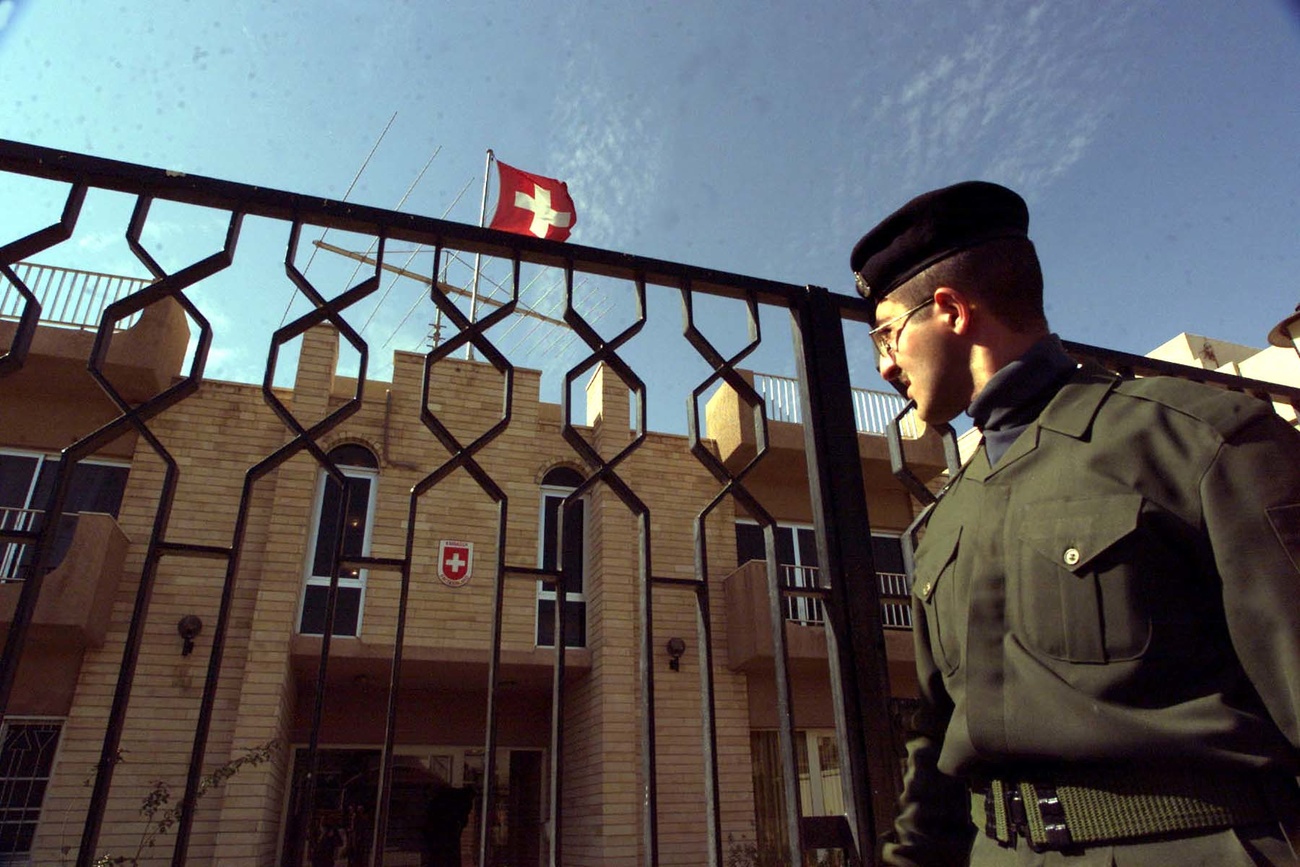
288	524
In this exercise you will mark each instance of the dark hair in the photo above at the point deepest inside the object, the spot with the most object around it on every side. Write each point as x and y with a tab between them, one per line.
1003	274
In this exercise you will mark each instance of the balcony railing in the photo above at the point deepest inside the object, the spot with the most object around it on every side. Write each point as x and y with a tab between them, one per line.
69	298
16	554
12	567
802	609
895	598
79	582
872	410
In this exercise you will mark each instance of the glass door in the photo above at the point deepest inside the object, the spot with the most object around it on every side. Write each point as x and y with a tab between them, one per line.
433	816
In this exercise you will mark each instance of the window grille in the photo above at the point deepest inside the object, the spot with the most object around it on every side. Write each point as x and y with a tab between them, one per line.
27	750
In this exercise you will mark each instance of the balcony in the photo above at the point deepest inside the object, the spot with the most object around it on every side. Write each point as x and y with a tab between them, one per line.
146	351
76	596
731	424
749	623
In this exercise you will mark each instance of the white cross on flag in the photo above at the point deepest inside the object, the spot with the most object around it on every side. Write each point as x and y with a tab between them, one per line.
533	205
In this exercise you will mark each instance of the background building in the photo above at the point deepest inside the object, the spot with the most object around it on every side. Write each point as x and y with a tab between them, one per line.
297	516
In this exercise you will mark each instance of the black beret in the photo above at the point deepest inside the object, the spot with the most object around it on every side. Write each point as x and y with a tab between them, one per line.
932	227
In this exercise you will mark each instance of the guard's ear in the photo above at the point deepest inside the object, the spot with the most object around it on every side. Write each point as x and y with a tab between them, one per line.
954	308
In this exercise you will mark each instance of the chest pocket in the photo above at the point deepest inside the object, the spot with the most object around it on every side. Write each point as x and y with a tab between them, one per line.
1080	588
936	586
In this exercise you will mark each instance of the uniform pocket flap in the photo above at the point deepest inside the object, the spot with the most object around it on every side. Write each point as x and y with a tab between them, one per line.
936	551
1072	533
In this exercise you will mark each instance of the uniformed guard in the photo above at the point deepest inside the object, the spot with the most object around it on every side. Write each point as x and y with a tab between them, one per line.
1107	600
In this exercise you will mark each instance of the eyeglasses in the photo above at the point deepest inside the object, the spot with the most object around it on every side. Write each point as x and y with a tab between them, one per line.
887	342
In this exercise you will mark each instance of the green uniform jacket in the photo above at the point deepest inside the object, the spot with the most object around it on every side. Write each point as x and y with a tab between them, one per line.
1123	588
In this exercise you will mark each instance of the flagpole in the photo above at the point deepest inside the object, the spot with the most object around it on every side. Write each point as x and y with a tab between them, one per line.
478	257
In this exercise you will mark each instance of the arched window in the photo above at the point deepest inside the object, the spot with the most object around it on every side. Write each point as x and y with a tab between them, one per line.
562	544
359	465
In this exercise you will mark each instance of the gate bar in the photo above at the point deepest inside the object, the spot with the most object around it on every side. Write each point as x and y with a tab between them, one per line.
856	641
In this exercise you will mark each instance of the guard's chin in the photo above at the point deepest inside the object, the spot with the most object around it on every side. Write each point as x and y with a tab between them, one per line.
933	417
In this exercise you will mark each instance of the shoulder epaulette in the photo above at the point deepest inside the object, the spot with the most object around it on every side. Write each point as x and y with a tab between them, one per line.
1225	411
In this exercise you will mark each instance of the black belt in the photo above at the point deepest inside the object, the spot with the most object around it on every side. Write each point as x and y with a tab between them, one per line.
1089	807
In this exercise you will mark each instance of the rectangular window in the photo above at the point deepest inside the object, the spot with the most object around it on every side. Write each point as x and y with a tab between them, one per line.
26	482
325	544
26	758
562	545
796	555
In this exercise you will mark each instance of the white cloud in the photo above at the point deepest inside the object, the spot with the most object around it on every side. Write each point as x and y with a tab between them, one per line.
1011	93
609	149
612	152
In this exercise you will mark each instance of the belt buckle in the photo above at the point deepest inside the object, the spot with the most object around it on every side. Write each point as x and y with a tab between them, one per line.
1004	812
1052	812
1017	818
1007	809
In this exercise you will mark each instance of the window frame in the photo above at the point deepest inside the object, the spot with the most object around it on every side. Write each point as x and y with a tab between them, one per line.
309	555
571	597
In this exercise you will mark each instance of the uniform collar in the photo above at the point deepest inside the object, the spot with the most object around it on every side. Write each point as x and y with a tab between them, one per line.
1074	408
1070	413
1017	393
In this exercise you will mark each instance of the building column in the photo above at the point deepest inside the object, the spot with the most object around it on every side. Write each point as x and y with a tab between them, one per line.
251	814
601	798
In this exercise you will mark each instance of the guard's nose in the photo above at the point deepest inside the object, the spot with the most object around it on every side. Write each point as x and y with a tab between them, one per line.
889	369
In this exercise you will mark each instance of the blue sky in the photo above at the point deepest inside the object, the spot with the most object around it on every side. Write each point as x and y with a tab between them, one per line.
1155	142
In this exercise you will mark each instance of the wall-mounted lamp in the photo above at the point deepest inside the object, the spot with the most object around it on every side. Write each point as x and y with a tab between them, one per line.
189	629
676	647
1287	332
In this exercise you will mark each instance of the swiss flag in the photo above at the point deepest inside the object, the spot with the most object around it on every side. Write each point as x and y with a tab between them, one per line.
533	205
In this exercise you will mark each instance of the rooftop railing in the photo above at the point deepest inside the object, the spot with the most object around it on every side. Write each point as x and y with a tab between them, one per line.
872	410
69	298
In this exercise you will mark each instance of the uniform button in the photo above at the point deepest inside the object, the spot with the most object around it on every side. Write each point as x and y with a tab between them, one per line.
925	591
1071	556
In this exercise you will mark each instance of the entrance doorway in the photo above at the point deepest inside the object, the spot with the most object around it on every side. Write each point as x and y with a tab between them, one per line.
434	812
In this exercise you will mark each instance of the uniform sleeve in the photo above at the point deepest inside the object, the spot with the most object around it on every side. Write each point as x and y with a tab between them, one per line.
933	827
1251	506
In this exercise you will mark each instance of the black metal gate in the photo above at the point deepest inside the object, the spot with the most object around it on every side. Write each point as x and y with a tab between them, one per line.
858	674
859	680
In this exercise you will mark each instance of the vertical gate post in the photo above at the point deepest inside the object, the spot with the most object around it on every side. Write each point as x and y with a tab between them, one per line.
855	637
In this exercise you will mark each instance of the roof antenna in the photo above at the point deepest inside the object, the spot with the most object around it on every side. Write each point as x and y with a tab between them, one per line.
347	193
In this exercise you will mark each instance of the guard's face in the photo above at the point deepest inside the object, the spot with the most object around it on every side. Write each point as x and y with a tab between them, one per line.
929	361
